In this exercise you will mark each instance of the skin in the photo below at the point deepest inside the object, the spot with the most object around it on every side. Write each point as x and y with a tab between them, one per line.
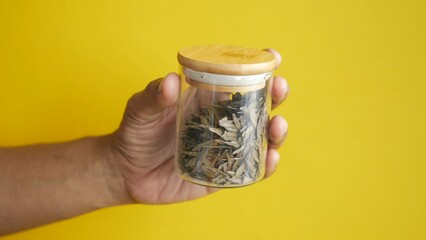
44	183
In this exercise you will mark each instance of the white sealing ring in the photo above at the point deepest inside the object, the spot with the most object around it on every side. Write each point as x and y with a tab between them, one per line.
226	80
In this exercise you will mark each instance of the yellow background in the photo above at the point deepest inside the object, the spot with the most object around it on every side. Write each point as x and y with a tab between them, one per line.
354	163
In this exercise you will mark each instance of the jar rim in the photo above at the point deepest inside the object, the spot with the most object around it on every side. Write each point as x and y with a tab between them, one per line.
226	80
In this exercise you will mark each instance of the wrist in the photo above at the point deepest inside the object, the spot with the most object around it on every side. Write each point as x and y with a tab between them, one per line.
108	167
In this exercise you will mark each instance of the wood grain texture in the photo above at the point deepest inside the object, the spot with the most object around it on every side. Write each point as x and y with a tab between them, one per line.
227	60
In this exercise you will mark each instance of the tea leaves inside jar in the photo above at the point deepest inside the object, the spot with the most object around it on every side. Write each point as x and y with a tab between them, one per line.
223	144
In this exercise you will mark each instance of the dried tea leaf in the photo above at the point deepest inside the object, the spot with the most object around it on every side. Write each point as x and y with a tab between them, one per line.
247	179
234	144
228	124
235	180
236	121
230	136
218	131
191	163
240	170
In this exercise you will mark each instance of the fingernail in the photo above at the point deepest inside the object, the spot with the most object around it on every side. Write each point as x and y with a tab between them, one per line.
285	132
160	86
285	127
286	89
276	160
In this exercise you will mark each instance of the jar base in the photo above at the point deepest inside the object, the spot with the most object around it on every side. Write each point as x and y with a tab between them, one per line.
188	178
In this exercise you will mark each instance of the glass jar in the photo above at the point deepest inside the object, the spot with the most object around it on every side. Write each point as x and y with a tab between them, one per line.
222	115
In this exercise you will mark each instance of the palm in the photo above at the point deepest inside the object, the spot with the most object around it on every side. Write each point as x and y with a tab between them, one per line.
149	161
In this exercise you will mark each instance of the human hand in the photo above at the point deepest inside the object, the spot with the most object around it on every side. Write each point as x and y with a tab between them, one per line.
144	145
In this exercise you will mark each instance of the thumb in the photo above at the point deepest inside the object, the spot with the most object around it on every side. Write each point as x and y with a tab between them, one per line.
160	94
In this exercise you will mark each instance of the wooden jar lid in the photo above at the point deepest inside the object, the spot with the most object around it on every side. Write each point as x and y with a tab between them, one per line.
227	60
